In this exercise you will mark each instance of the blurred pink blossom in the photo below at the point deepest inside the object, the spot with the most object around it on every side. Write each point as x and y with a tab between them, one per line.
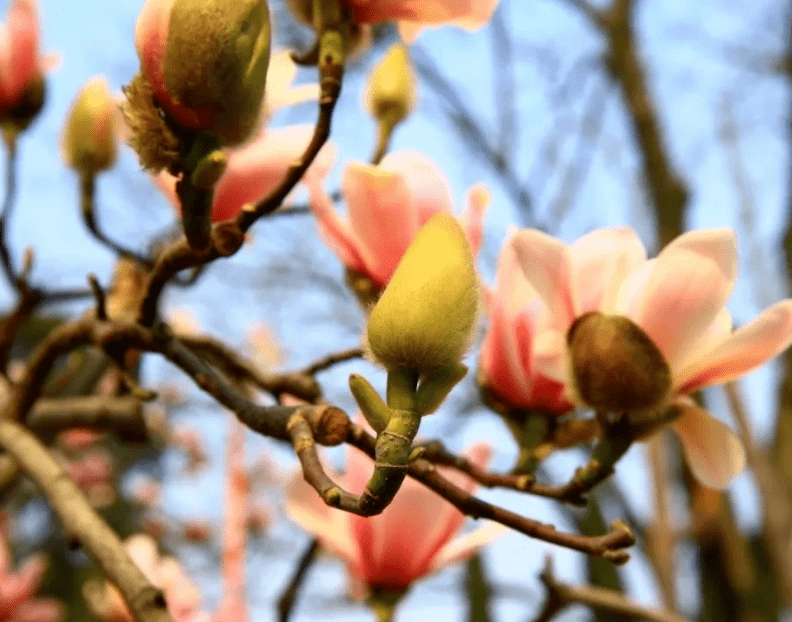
386	206
412	537
413	15
20	62
678	300
17	603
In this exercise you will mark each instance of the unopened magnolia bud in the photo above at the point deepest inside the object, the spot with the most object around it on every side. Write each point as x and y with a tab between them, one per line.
216	62
390	91
616	367
88	142
425	317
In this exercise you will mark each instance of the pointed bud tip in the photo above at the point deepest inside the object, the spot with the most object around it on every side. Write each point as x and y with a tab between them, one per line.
426	315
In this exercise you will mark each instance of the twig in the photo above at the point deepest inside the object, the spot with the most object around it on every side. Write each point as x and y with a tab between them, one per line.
503	74
122	416
776	503
331	71
560	595
87	196
82	522
332	359
99	295
300	384
610	546
471	131
289	596
5	215
660	538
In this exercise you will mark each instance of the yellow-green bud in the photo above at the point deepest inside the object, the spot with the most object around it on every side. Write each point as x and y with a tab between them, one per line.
425	317
88	142
390	91
216	62
616	367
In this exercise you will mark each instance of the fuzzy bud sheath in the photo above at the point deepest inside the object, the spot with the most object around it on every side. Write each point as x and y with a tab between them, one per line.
204	63
426	315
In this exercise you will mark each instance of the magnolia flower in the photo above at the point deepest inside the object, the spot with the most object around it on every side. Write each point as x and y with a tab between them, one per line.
412	538
659	332
413	15
20	62
256	169
387	205
517	316
17	603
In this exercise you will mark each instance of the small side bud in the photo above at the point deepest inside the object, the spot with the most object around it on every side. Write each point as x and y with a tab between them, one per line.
616	367
425	317
436	386
390	90
390	94
371	405
88	142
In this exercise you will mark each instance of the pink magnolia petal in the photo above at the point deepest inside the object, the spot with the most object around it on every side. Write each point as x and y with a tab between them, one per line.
330	526
398	546
600	261
430	188
713	452
718	245
511	287
336	232
409	31
23	62
468	12
747	348
546	264
257	168
463	547
472	219
39	610
500	360
151	37
380	208
682	295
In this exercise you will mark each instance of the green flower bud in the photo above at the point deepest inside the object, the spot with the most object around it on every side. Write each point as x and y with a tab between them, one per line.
88	142
216	62
616	367
425	317
390	91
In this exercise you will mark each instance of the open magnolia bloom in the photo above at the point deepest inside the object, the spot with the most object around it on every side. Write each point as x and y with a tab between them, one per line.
412	537
512	352
659	332
414	15
386	206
